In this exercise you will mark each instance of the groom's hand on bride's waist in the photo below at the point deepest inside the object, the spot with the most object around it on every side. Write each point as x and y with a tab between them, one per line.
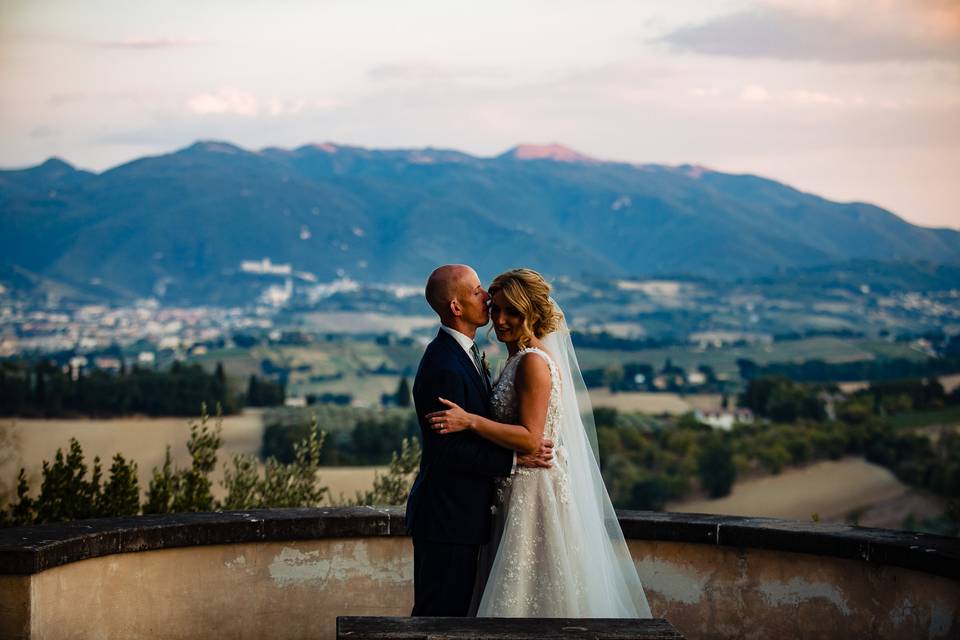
542	458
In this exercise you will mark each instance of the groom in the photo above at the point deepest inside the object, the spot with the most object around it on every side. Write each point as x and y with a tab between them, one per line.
448	511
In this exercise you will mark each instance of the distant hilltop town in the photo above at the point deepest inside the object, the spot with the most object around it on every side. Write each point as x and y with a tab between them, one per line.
265	266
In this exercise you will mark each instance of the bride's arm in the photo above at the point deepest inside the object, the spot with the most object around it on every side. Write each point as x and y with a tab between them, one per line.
532	383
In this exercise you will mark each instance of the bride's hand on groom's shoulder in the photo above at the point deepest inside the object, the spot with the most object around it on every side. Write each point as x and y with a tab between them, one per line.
450	420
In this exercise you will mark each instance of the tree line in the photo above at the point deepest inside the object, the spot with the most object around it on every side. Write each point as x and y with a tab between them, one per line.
821	371
365	438
604	340
43	389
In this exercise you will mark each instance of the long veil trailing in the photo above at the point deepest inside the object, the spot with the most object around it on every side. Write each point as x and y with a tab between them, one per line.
612	584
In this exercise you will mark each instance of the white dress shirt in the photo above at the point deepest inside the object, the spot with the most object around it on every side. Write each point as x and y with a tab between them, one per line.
467	344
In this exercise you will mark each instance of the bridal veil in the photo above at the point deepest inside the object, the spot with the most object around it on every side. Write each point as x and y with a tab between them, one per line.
612	581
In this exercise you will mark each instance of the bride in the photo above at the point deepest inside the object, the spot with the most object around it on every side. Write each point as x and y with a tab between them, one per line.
558	550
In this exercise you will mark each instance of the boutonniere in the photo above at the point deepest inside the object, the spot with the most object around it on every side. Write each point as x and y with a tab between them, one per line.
483	363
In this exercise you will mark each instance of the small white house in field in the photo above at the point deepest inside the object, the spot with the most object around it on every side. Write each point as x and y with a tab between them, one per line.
76	364
295	401
724	418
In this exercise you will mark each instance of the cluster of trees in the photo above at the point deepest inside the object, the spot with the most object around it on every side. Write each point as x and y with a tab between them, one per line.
342	399
779	398
264	393
640	376
820	371
783	400
363	438
891	398
927	463
644	467
68	492
43	389
402	397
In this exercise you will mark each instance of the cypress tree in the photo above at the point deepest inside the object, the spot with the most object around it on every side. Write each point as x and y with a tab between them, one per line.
121	494
403	393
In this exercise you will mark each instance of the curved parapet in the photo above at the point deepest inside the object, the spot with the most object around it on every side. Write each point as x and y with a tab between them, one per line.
287	573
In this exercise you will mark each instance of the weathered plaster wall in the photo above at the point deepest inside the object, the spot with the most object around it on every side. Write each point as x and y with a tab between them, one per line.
709	591
296	589
15	607
265	590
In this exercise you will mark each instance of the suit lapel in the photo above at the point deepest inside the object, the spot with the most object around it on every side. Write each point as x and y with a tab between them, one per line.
466	362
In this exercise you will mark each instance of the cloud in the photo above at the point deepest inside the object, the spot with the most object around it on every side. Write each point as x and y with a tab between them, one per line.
229	100
803	97
758	94
851	32
278	107
232	101
150	43
754	93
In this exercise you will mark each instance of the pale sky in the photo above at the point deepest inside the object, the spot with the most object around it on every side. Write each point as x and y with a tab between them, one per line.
848	99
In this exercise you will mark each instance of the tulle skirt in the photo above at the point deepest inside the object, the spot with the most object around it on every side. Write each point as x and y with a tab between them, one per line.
545	561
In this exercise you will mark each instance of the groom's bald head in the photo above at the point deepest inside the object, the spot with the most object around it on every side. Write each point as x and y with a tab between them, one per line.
448	283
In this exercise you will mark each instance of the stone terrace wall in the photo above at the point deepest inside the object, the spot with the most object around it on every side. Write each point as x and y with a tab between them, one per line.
288	573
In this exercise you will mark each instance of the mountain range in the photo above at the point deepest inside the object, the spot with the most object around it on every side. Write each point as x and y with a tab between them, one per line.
179	225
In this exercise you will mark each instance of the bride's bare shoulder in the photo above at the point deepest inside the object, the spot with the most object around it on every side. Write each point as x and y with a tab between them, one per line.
532	367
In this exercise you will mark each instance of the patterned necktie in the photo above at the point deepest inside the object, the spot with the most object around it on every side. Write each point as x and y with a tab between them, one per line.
479	362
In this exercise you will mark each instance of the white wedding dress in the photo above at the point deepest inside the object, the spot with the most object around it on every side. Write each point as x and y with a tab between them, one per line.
557	549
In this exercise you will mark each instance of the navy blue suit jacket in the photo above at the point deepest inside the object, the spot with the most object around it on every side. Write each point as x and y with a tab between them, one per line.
451	496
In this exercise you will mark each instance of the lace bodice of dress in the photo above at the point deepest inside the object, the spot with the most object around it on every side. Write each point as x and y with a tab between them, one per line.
506	404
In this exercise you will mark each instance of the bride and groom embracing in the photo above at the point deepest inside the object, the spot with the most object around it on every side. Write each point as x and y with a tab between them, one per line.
524	449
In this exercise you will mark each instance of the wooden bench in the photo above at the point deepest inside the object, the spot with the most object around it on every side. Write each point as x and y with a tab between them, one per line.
371	628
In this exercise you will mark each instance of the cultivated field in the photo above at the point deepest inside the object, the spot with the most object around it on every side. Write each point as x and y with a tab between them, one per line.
831	489
345	482
655	403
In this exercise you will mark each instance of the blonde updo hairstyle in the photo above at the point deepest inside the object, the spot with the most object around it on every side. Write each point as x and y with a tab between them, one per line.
528	293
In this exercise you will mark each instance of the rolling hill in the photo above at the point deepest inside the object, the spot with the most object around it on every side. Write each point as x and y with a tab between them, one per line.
178	225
